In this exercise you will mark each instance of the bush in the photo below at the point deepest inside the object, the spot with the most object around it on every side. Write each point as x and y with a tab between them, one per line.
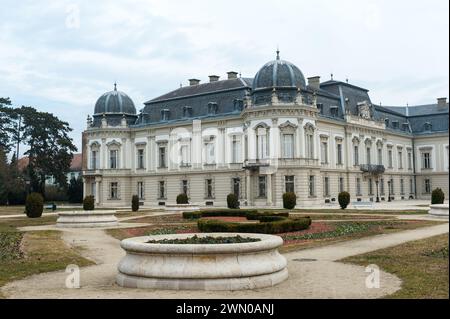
34	205
219	212
182	199
437	196
283	225
289	200
88	203
232	201
344	199
135	203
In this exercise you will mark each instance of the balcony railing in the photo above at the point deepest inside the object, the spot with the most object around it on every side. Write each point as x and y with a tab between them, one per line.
255	164
372	169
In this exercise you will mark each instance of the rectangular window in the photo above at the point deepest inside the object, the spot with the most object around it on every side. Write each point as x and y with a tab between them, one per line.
380	156
140	190
94	160
402	186
356	155
392	186
93	186
324	152
427	186
262	146
426	160
288	146
326	186
184	153
209	188
236	187
162	190
411	186
236	150
370	186
390	158
312	186
368	156
289	184
113	190
113	159
262	186
210	153
310	146
382	186
400	160
162	157
358	187
339	154
184	186
140	156
341	184
409	160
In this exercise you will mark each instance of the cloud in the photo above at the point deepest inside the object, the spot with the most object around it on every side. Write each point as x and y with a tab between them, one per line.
397	49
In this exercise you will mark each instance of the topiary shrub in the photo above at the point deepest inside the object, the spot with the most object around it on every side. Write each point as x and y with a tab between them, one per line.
232	201
437	196
289	200
34	205
182	199
135	203
88	203
344	199
250	214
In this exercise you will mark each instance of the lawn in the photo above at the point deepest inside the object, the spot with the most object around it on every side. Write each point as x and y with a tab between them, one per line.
362	211
422	266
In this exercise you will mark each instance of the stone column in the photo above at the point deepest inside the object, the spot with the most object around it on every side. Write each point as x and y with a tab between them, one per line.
97	192
148	154
248	190
123	153
84	187
301	135
104	162
269	190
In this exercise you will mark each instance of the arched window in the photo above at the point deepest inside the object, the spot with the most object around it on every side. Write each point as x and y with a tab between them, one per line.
309	140
94	156
113	152
262	141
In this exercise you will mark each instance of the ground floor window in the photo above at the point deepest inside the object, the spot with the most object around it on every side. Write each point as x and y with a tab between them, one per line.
312	186
358	187
326	186
411	186
392	186
402	186
236	185
427	186
162	189
93	186
382	186
370	186
114	190
209	188
341	184
289	184
262	186
140	190
184	186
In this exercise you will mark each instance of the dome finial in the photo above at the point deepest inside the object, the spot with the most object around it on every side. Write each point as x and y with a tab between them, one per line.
115	86
278	53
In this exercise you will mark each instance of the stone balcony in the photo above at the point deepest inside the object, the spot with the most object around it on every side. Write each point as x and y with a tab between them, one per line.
372	169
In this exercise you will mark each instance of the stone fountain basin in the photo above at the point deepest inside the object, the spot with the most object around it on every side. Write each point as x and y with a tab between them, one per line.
87	219
202	266
439	210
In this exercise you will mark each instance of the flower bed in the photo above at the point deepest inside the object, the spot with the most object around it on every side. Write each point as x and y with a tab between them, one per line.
196	240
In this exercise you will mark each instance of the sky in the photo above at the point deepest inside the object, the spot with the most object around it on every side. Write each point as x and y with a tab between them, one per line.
60	56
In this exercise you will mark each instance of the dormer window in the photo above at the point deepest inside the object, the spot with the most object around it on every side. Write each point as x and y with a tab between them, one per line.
187	111
165	114
405	126
320	107
238	105
334	111
212	108
427	127
395	124
386	122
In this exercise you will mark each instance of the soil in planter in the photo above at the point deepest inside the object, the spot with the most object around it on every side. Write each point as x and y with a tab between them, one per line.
205	240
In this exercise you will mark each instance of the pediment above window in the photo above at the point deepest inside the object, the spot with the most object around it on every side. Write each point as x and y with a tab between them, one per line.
288	125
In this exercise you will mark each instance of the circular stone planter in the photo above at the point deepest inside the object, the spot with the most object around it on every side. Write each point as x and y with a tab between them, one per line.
239	266
179	208
87	219
439	210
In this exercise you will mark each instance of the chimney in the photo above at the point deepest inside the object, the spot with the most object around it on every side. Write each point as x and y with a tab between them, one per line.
442	102
314	82
194	82
232	75
213	78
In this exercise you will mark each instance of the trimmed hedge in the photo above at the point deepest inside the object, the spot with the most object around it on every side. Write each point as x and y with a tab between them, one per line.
289	200
250	214
89	203
437	196
182	199
34	205
283	225
135	203
343	199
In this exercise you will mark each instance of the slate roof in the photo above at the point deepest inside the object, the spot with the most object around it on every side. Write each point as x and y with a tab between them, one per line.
114	102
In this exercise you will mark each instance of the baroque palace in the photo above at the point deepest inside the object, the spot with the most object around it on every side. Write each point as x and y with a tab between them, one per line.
260	137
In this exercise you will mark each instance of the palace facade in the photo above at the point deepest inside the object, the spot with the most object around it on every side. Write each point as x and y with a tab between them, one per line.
260	137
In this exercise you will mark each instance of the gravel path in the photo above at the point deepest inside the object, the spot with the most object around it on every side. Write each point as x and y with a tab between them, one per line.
322	278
